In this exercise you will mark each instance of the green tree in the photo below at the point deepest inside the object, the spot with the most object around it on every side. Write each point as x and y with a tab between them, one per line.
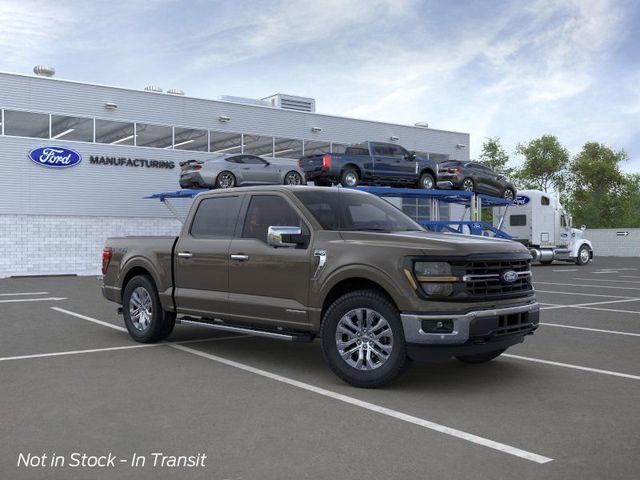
495	157
600	195
545	164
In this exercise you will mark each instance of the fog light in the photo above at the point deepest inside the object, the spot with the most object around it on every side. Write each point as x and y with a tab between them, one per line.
443	289
437	326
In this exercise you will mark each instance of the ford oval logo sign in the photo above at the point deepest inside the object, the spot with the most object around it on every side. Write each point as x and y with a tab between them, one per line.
55	157
521	200
509	276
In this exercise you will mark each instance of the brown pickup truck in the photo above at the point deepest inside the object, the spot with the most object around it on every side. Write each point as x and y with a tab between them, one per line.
343	265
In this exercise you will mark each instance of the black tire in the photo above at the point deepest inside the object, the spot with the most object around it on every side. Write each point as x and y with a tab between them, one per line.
427	181
322	183
580	259
396	362
468	185
481	357
160	324
349	177
509	194
225	179
293	178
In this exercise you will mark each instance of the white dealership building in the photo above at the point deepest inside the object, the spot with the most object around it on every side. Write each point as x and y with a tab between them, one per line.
120	145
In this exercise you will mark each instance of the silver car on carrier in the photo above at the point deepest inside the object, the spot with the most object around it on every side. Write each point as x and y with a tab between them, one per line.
237	170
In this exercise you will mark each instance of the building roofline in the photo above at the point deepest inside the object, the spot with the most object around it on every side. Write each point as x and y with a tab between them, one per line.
229	102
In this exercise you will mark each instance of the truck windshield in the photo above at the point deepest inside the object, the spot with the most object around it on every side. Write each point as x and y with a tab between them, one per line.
340	209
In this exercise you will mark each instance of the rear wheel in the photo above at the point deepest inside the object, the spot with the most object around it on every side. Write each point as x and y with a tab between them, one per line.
481	357
508	194
349	178
427	181
225	180
293	178
363	340
584	255
468	185
144	317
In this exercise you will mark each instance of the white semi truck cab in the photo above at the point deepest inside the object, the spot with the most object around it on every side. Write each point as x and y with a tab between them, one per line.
537	220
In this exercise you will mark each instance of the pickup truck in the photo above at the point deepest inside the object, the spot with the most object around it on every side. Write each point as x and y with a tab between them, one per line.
297	262
375	163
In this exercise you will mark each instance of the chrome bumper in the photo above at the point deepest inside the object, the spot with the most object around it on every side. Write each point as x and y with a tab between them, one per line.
413	333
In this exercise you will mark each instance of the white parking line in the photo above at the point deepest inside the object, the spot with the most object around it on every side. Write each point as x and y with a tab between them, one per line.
575	367
606	280
588	286
584	294
635	312
551	306
629	276
89	319
76	352
27	293
47	299
566	270
615	332
373	407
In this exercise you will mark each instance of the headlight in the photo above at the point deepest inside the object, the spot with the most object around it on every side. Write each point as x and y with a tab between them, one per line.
435	277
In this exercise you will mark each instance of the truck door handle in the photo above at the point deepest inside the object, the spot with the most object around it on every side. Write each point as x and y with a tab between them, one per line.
239	257
185	254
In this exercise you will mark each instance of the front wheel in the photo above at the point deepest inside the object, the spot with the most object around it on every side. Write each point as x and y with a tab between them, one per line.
584	255
144	317
427	181
293	178
508	194
363	340
481	357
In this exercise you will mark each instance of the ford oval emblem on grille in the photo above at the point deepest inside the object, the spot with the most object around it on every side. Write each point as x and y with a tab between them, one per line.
509	276
55	157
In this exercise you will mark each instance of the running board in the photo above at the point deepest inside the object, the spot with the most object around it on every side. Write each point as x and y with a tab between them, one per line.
291	337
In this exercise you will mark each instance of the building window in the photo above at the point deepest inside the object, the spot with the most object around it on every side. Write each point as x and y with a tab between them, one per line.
157	136
257	145
225	142
190	139
287	148
316	148
115	133
26	124
71	128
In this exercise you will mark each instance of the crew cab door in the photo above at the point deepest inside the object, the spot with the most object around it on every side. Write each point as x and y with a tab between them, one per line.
201	256
390	162
269	285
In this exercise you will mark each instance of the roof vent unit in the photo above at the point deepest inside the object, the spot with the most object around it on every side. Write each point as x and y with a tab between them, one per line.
244	100
175	91
44	71
154	88
291	102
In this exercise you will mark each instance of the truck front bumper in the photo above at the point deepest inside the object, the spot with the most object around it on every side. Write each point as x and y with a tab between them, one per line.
469	332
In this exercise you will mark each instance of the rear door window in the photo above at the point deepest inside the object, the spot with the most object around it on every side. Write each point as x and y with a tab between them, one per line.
216	217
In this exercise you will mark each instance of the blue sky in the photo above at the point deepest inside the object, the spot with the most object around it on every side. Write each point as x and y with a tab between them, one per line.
491	68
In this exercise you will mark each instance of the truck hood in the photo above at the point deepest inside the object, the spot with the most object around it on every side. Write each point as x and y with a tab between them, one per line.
437	244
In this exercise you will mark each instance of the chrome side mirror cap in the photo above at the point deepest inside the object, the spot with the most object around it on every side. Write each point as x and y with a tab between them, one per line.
278	236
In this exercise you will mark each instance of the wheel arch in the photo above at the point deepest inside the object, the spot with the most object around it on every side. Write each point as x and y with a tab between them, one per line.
354	166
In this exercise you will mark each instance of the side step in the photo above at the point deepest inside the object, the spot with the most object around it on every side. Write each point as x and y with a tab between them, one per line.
219	325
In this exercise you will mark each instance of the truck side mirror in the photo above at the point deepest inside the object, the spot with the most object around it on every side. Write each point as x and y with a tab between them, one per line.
583	228
278	236
411	156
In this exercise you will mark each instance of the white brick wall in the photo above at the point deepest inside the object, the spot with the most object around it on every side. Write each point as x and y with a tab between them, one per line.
55	245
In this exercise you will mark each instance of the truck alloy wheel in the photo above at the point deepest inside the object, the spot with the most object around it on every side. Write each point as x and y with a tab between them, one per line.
349	178
141	308
583	255
364	339
427	181
467	185
293	178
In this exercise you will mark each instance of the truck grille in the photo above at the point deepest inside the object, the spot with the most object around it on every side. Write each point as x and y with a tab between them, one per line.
482	279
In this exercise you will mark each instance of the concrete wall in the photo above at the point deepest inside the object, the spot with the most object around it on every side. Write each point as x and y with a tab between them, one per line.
612	242
58	245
